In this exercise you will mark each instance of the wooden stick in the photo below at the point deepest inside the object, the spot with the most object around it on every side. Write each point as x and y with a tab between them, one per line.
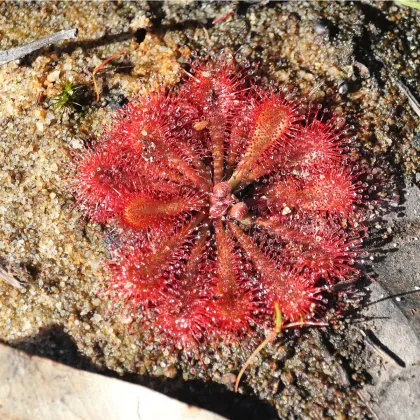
19	52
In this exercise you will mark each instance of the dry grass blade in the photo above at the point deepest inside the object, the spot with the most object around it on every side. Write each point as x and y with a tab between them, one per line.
278	328
271	336
409	3
123	51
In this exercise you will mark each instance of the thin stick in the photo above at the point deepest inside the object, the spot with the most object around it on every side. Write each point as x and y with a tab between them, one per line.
8	278
19	52
411	99
99	68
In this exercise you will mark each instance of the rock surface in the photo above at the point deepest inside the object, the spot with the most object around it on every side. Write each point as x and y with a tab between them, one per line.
33	388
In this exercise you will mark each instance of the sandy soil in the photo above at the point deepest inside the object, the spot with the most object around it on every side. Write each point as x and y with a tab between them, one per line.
347	56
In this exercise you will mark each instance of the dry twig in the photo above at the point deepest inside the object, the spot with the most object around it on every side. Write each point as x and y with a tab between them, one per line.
411	98
19	52
8	278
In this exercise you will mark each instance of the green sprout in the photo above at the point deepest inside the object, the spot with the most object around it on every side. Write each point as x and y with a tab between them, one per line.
409	3
67	99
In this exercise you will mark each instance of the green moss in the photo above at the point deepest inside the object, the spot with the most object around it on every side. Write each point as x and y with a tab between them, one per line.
69	97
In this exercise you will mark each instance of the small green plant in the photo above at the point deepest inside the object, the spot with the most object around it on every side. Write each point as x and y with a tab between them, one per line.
67	99
409	3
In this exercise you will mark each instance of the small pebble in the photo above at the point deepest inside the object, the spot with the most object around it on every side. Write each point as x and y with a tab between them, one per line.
228	378
343	87
53	76
320	28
